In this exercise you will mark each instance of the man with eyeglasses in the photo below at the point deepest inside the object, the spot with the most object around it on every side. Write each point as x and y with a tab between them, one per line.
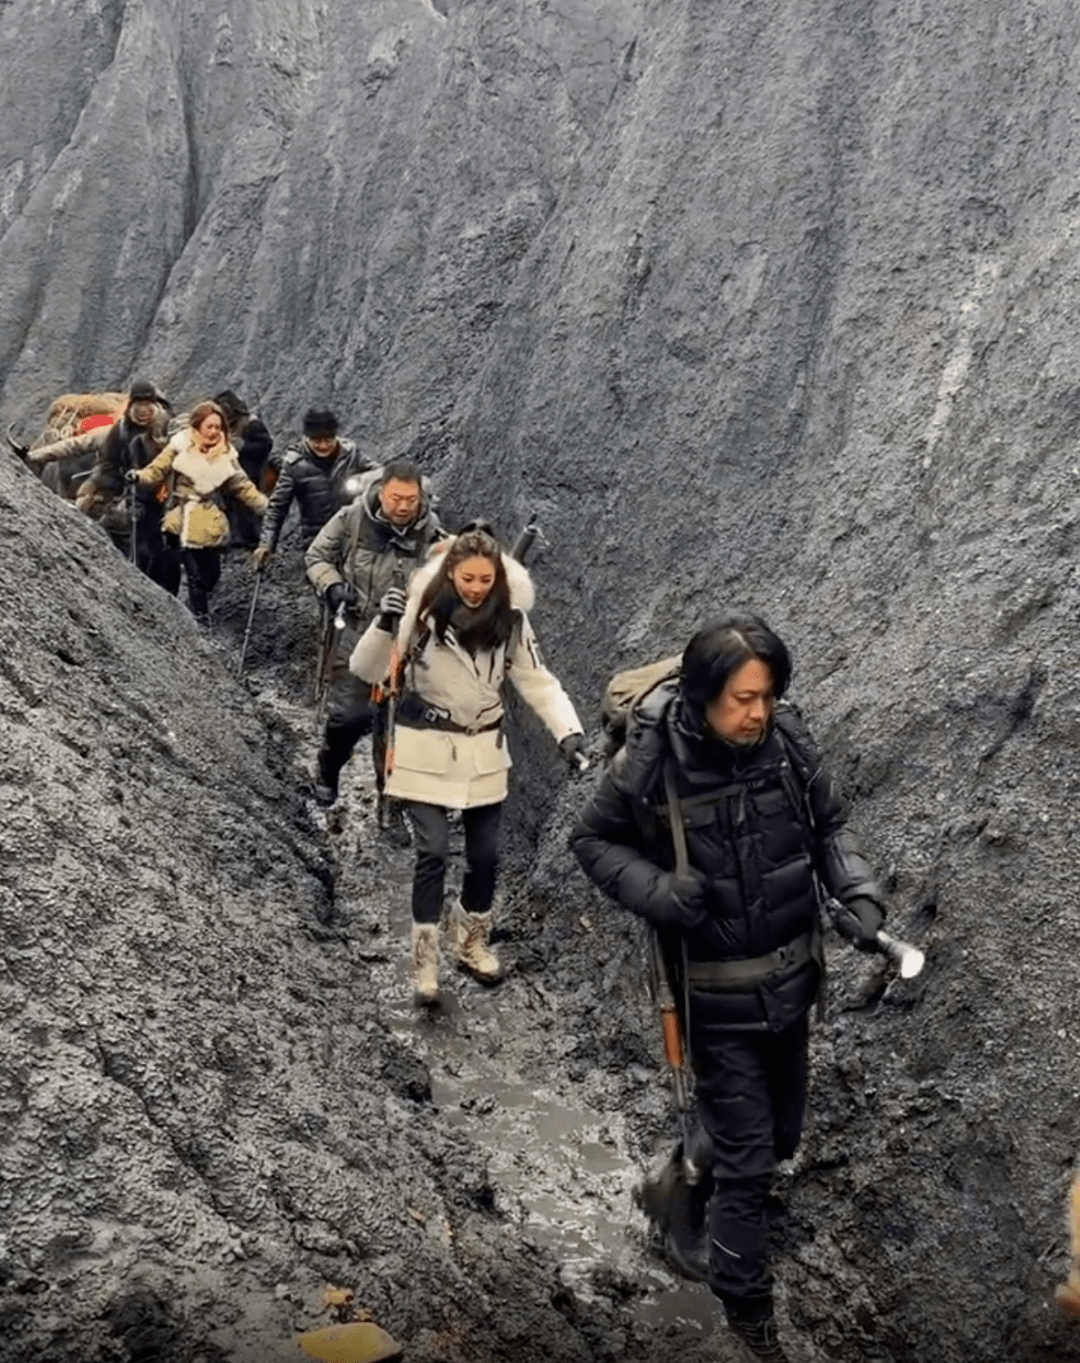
360	564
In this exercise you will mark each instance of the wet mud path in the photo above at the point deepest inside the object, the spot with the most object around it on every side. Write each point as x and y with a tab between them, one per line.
562	1169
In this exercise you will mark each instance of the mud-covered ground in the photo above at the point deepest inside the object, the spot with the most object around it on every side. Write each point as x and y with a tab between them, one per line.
215	1097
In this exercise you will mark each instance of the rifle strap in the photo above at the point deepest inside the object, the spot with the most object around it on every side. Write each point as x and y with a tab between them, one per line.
675	817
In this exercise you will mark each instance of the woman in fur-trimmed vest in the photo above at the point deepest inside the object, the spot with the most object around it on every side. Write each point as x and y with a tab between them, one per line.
463	631
201	469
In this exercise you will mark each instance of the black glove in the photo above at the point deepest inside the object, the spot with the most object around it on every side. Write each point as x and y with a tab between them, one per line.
131	476
341	594
391	609
572	748
678	901
859	920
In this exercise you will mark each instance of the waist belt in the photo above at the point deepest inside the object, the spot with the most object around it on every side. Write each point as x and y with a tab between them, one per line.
751	971
412	713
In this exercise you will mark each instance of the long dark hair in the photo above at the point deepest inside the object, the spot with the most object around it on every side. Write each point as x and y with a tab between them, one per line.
719	649
491	623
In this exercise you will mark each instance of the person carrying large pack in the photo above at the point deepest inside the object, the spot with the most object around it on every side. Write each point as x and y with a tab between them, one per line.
717	824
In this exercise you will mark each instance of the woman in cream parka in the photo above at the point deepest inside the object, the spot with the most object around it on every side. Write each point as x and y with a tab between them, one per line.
463	631
199	469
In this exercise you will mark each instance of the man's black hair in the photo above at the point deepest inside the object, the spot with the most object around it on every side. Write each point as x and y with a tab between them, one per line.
721	648
404	470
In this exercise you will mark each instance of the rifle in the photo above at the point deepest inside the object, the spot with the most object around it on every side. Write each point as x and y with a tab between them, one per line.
671	1031
250	619
664	994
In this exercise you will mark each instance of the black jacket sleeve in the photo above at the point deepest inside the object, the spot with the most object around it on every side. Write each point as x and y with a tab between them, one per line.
280	500
609	844
843	868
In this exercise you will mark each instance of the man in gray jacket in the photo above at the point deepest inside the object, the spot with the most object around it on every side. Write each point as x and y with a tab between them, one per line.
360	564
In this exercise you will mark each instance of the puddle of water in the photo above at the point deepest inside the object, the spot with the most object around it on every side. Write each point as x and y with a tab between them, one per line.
559	1168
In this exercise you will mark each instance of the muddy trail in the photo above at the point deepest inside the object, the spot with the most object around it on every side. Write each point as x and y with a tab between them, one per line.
566	1131
218	1099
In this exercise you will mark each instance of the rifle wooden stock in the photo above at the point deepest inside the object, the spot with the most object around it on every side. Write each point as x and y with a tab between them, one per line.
673	1043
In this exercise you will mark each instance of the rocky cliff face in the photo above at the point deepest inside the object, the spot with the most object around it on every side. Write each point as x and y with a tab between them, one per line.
757	305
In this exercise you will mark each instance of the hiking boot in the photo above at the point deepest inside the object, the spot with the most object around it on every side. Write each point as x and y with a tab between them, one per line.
326	782
425	957
469	937
1068	1299
392	822
759	1336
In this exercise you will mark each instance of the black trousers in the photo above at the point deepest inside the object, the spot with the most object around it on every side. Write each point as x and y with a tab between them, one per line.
751	1097
432	829
157	555
350	711
351	714
202	569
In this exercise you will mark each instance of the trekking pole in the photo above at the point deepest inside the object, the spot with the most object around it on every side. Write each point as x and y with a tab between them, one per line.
250	620
16	446
132	512
334	624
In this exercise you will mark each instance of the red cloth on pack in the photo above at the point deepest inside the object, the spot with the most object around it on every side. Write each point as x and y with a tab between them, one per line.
89	423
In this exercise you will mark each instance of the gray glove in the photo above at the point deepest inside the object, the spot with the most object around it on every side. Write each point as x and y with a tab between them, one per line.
391	607
859	921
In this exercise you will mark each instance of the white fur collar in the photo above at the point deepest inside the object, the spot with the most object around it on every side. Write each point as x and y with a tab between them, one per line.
522	594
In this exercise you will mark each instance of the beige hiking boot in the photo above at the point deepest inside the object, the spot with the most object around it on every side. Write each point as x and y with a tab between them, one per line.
469	936
425	956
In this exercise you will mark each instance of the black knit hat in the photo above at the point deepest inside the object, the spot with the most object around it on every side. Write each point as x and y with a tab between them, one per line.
231	404
142	390
320	421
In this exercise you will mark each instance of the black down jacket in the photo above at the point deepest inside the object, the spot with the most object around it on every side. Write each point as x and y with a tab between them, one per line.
761	822
317	485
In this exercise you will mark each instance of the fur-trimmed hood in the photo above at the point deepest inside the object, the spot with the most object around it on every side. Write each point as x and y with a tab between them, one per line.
522	592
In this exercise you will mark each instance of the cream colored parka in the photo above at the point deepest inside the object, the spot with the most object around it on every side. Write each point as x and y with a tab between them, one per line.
198	483
468	766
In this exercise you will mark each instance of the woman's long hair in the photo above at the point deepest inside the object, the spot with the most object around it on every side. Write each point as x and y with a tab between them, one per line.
202	411
491	623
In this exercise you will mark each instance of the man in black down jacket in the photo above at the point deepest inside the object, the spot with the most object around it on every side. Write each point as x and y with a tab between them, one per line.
315	477
762	820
